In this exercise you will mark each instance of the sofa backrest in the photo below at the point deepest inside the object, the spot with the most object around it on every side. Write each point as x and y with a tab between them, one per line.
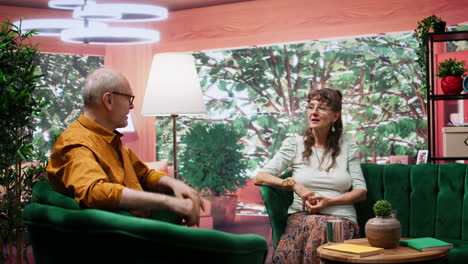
44	193
430	199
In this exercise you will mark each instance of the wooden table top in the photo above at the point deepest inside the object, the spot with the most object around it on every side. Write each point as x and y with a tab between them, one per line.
400	254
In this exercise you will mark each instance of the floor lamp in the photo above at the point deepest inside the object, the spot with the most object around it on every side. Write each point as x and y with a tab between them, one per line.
173	89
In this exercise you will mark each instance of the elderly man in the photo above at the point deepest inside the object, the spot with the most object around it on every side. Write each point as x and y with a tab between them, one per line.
90	164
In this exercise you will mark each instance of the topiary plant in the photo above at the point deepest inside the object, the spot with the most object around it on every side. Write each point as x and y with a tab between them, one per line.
382	208
212	159
450	67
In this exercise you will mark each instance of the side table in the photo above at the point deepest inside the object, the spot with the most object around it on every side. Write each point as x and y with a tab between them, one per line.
400	254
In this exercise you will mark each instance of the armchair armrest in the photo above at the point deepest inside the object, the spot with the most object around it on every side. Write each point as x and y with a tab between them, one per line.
277	203
62	232
58	234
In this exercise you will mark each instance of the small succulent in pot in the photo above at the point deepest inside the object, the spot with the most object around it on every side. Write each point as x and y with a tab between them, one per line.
384	230
382	208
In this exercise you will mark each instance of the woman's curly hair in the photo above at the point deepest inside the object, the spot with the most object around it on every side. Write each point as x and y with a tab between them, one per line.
333	99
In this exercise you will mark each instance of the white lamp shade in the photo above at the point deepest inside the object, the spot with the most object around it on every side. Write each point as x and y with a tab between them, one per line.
173	87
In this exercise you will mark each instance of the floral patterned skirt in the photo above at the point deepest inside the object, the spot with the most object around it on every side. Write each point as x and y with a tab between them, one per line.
304	233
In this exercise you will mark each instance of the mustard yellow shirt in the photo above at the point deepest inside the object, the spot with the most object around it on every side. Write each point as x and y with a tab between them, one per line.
90	164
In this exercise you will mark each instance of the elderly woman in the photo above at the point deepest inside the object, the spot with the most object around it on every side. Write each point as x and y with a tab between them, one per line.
326	179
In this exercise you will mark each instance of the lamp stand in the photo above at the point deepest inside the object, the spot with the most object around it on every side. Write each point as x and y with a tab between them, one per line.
174	147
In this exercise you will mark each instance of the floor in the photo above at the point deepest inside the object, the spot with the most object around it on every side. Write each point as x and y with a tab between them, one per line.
243	224
252	224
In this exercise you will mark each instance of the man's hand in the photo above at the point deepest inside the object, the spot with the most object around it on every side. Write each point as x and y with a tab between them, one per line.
190	213
182	190
142	200
185	192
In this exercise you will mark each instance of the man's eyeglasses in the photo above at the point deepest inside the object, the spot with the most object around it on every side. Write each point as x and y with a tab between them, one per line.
321	109
130	97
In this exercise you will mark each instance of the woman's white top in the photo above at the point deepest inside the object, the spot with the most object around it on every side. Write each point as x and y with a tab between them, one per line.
346	175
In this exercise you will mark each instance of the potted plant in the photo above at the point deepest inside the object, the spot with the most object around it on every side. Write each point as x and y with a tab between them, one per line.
19	105
434	23
426	25
451	71
213	163
384	229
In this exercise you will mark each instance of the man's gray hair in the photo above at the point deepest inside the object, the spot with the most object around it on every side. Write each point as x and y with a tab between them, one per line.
98	83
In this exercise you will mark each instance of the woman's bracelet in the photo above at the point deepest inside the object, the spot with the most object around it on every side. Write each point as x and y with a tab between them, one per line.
288	183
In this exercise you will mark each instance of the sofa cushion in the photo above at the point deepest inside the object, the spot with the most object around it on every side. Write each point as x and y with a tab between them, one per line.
459	253
161	165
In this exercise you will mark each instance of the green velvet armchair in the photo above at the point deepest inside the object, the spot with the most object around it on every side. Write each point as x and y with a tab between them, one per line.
431	201
62	232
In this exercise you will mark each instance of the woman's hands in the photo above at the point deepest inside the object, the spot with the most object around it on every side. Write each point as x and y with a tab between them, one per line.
311	202
305	195
316	203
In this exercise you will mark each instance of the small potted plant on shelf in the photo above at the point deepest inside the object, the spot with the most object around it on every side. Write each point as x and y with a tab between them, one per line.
384	229
431	23
451	71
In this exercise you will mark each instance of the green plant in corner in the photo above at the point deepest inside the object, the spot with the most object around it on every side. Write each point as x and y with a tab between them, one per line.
420	33
450	67
212	160
382	208
19	105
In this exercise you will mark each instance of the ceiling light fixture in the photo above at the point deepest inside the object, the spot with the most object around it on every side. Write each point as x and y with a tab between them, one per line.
69	4
86	30
53	27
110	36
127	12
97	12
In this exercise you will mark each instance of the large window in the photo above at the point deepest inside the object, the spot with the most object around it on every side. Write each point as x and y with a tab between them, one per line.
262	89
61	86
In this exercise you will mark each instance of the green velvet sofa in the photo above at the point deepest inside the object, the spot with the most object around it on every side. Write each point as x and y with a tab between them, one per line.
431	201
62	232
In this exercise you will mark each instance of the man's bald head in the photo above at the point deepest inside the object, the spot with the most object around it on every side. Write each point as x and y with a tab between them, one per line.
98	83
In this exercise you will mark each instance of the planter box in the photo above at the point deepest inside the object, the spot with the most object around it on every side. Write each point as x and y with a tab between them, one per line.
223	209
455	141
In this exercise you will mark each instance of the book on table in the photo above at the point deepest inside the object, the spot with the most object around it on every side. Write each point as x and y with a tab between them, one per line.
426	244
356	250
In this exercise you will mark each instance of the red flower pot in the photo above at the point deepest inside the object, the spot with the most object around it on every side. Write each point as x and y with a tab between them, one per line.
452	84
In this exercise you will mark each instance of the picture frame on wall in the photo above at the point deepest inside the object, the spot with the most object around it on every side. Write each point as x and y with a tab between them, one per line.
422	156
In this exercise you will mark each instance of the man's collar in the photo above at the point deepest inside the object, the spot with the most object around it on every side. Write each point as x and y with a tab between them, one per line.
105	133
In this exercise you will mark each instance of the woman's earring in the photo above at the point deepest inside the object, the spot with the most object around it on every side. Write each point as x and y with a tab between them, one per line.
333	127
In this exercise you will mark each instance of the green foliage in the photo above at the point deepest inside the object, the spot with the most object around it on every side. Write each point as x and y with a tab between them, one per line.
450	67
382	208
426	24
263	90
213	160
18	107
61	84
420	33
